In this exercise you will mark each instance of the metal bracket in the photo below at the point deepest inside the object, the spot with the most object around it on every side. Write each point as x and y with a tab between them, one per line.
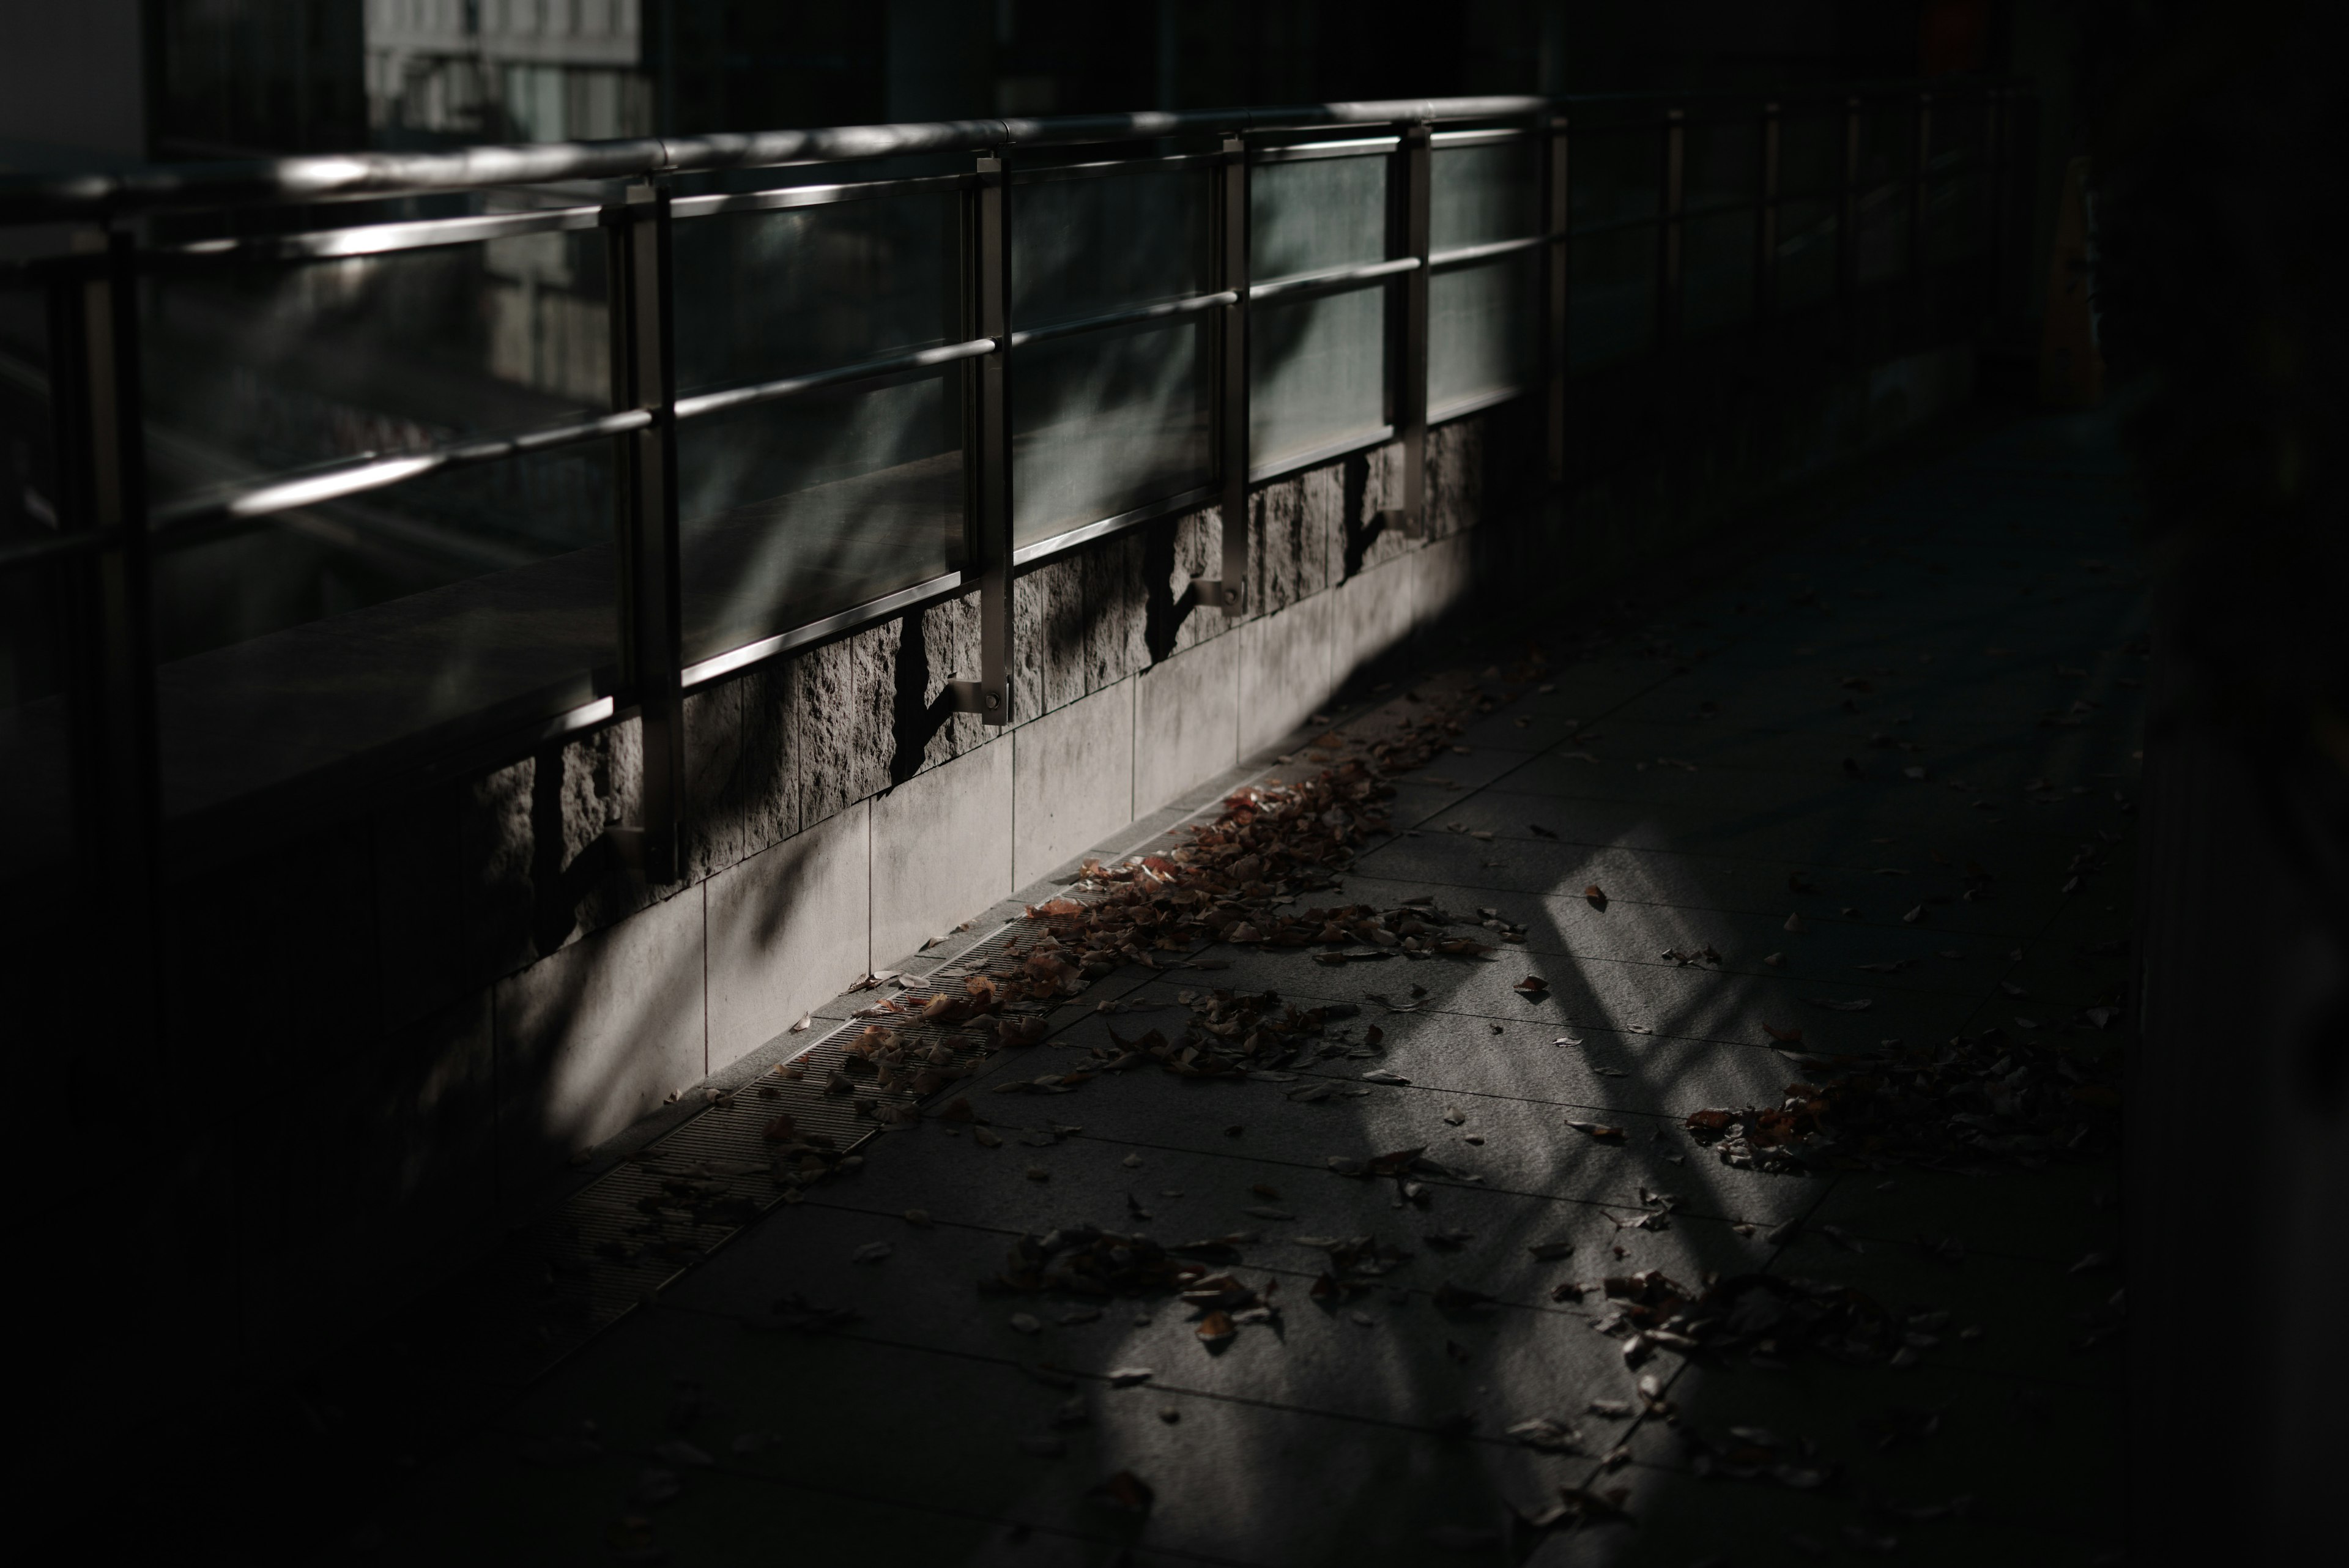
1402	519
975	697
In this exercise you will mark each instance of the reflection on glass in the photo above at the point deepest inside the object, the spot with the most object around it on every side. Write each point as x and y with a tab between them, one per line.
1084	247
1717	272
763	295
1613	174
1318	373
794	511
1807	232
1316	214
1104	424
1480	331
254	369
317	634
35	784
1478	194
1611	297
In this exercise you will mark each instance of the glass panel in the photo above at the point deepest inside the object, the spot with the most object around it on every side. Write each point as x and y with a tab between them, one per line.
1806	255
1476	194
263	368
1956	219
1480	330
1087	246
317	634
29	485
36	778
765	295
1810	155
1611	297
1106	422
792	510
1316	214
1613	174
1721	161
1717	272
1886	138
1318	372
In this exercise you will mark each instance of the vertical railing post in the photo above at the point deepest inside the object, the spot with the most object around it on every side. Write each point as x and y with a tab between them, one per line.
1411	373
1918	296
650	609
1998	132
988	555
1848	221
1667	227
94	334
1231	246
1557	258
1765	221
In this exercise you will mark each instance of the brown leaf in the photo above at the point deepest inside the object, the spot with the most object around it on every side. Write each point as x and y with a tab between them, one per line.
957	1110
1784	1036
1023	1030
1596	895
1216	1328
782	1129
1599	1130
1124	1490
1533	985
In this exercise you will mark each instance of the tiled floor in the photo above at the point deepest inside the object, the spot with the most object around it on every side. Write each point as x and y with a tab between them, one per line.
1960	638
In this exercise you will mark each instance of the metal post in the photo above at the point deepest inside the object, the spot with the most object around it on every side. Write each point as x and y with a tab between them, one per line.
1668	229
1919	165
1998	132
1766	223
94	326
1411	371
1556	214
650	611
1847	220
989	557
1231	230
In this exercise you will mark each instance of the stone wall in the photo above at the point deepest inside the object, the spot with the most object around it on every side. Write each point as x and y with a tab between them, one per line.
384	1038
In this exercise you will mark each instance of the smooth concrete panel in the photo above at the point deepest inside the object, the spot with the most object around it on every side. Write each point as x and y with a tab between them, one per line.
1073	780
1285	664
1373	614
595	1036
1185	722
790	929
941	849
1447	579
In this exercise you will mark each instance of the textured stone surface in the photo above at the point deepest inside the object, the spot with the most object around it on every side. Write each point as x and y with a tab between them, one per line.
841	712
1455	476
1187	548
494	842
1073	780
941	849
1285	665
1117	606
936	647
740	792
1185	722
788	928
1050	660
1374	482
595	1036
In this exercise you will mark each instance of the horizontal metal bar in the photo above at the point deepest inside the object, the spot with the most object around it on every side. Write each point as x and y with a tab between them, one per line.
1047	173
1139	313
31	555
750	653
374	239
1464	255
1331	277
1497	134
1303	151
1059	544
702	403
1313	456
187	522
1614	225
815	195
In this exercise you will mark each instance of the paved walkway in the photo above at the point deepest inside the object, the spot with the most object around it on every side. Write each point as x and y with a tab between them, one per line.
1914	730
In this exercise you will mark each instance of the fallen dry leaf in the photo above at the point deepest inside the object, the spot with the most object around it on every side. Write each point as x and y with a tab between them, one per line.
1596	895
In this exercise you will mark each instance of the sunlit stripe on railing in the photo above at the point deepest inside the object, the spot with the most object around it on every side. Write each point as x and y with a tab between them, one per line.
1331	277
1191	306
750	653
373	239
703	403
1302	151
815	195
1463	254
176	523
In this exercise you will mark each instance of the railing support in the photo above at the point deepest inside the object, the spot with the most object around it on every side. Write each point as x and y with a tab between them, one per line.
1557	286
1410	519
650	611
1229	591
1667	227
987	553
1765	221
1848	224
1920	166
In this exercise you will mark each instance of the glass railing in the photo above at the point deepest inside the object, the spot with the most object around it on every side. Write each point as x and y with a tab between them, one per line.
327	470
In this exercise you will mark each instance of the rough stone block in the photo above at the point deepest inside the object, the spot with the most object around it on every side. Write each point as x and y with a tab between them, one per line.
1374	482
941	849
1322	523
1185	722
790	929
1073	781
595	1036
1285	667
1176	551
1373	618
1117	608
1455	476
1049	623
494	840
1278	574
840	708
